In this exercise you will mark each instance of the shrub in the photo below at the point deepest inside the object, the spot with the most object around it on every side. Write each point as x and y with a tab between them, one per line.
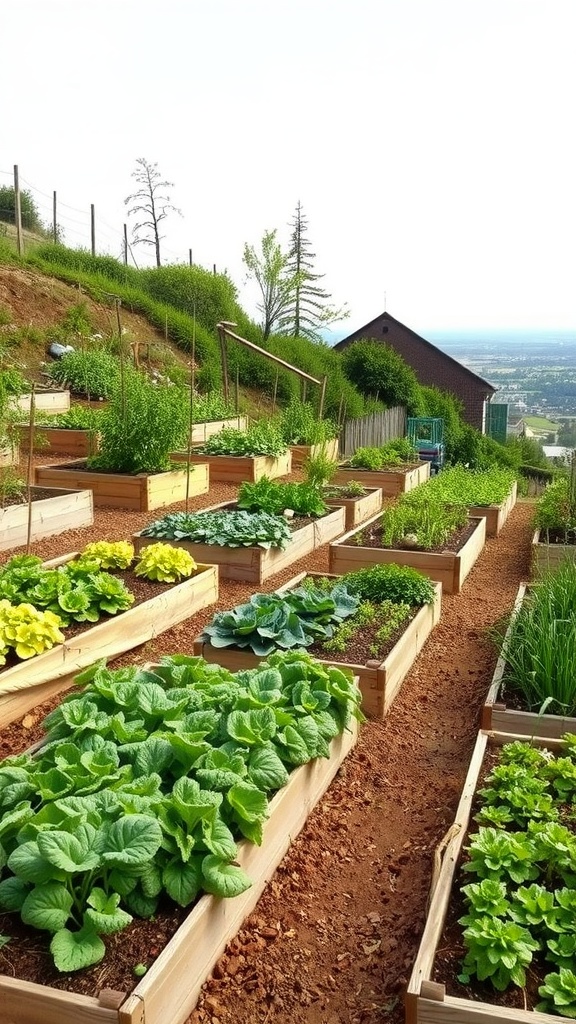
94	373
299	425
378	370
143	425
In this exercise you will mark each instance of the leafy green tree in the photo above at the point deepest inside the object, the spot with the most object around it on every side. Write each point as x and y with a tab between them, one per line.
150	204
378	370
30	216
270	270
308	309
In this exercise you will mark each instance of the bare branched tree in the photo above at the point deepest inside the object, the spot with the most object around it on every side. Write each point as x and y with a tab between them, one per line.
150	204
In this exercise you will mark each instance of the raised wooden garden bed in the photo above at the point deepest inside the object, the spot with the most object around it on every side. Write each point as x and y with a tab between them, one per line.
379	681
236	469
495	515
64	510
548	557
497	717
202	431
60	440
169	991
9	455
44	401
393	481
142	492
31	682
450	568
254	564
302	452
427	1001
358	510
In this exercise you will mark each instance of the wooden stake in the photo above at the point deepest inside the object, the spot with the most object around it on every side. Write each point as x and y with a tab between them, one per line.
191	409
18	212
275	391
54	220
93	228
322	398
30	455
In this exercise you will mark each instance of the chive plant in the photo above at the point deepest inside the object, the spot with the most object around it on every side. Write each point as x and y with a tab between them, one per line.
540	647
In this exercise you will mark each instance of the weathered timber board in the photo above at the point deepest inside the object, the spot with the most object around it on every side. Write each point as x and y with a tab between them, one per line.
60	440
392	481
495	515
359	509
66	510
254	564
238	469
202	431
548	557
9	455
302	452
142	492
449	568
31	682
44	401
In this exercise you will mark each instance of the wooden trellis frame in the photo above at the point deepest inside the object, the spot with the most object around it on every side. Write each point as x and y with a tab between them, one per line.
224	332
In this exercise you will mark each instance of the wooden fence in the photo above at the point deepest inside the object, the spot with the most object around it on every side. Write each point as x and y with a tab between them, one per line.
372	431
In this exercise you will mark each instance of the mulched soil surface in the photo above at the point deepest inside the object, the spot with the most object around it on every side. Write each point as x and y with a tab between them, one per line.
336	931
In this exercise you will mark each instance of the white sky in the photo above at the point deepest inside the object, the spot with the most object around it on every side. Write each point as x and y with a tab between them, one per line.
430	142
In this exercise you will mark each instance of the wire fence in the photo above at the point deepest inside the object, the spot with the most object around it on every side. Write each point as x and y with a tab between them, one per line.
75	227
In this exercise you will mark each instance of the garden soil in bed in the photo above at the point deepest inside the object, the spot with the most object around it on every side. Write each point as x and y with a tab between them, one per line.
371	538
333	937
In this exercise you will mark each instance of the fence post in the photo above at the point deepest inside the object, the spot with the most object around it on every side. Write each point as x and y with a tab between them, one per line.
54	220
18	212
93	228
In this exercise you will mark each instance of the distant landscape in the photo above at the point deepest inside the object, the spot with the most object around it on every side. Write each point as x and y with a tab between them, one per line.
534	370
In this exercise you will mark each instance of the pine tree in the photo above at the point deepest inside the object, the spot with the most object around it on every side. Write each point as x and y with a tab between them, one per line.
308	310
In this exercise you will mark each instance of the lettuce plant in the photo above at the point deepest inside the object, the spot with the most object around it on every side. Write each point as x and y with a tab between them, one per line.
164	562
27	631
274	497
110	554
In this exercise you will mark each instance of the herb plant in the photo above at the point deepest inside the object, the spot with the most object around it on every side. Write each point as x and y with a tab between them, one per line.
399	451
226	528
523	901
556	509
262	438
274	497
78	417
142	426
420	516
146	782
399	583
299	424
458	485
93	373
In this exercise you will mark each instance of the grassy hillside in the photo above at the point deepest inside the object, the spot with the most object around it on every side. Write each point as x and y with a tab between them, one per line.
185	303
